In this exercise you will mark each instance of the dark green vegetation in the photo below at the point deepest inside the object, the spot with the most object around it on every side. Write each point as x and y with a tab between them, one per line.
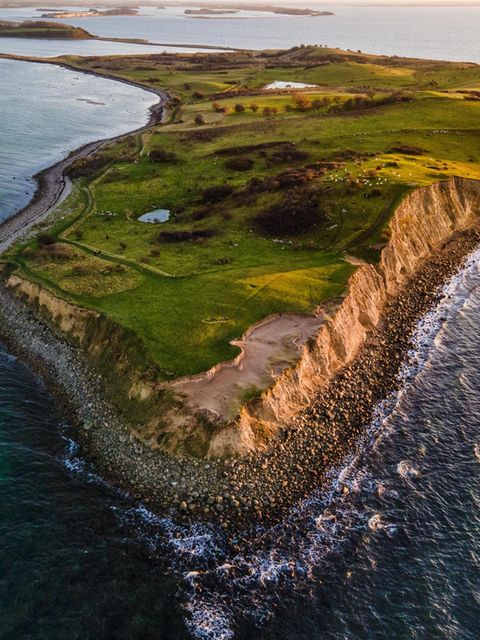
270	192
41	29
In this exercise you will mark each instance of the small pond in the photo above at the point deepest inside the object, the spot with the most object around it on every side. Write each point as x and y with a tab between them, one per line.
281	84
158	215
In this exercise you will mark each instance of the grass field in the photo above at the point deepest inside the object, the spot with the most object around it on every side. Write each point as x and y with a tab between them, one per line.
295	191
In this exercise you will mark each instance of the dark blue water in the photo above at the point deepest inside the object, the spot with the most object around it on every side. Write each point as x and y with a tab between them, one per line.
396	558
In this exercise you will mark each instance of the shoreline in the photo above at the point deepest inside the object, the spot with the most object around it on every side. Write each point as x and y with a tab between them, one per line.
263	487
52	181
238	493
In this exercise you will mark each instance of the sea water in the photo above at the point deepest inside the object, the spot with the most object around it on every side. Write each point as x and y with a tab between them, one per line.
47	111
434	32
396	557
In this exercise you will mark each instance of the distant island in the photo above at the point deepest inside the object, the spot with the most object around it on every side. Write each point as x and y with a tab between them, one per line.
204	11
234	8
91	13
42	29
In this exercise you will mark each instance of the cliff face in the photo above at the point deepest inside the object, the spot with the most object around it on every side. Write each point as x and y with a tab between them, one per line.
129	379
422	223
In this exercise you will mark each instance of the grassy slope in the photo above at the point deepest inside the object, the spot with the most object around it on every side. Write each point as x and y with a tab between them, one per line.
186	300
42	29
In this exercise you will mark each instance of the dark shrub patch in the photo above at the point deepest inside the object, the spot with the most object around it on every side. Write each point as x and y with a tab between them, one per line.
200	214
240	163
250	148
186	236
289	154
46	239
408	150
216	193
298	212
160	155
87	166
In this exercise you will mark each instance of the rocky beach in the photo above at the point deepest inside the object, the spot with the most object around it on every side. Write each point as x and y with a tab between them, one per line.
259	487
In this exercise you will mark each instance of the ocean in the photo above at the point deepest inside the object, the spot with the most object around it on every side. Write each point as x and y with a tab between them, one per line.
443	33
397	557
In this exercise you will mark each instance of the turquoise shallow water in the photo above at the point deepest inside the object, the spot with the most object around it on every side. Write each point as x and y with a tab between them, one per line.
48	111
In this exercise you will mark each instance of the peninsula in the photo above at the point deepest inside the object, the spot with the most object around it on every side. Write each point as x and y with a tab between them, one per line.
246	320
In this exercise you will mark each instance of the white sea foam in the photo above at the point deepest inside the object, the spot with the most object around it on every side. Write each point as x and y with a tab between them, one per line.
219	589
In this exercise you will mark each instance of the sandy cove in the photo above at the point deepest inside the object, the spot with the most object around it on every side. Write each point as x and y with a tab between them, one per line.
266	349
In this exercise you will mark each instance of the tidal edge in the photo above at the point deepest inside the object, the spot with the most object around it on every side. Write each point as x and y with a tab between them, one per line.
344	373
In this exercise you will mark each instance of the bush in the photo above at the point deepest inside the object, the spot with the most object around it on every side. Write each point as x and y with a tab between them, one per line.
240	163
81	270
186	236
160	155
199	119
297	213
239	108
201	214
301	102
216	193
46	239
288	154
254	107
87	166
408	150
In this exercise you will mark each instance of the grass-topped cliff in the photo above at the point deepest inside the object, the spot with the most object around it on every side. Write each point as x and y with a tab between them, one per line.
274	196
41	29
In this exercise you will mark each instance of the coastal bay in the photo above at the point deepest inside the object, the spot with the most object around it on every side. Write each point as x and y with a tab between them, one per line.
36	138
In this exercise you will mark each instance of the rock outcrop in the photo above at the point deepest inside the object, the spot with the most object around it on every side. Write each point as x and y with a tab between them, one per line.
422	223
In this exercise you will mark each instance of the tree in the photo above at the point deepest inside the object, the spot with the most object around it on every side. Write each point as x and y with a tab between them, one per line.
199	119
317	104
216	106
239	108
300	101
254	107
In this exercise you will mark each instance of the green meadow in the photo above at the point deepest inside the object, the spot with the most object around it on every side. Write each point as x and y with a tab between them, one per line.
268	205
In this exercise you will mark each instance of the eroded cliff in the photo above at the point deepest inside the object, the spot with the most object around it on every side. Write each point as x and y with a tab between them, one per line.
422	223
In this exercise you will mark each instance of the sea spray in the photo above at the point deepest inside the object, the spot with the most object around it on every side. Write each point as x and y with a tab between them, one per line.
221	587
